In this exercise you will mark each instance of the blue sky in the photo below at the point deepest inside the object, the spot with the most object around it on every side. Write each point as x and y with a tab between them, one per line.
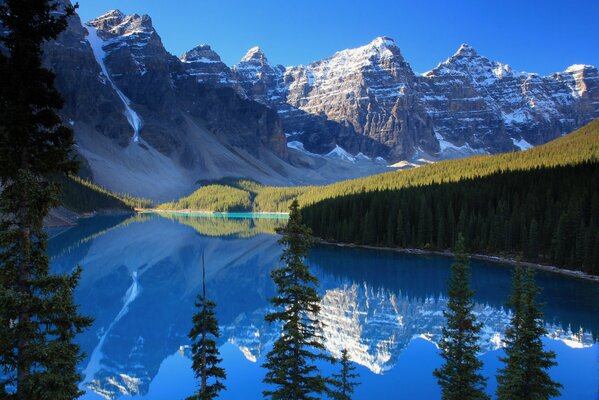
536	36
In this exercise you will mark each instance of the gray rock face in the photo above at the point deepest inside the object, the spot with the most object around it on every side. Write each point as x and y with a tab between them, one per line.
466	105
487	106
158	121
79	78
205	65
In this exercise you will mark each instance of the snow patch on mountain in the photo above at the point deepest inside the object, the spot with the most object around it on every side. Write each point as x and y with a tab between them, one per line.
297	145
449	149
340	153
97	45
522	144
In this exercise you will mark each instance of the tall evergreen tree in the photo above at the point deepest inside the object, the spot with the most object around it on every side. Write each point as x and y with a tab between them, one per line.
511	377
524	376
346	380
459	376
38	319
203	335
291	373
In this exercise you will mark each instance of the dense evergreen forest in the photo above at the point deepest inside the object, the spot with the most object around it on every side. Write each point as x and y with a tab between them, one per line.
216	198
544	214
83	196
576	147
234	195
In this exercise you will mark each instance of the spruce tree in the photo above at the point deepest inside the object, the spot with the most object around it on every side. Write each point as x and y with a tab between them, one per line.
291	373
205	354
38	318
524	375
459	376
510	378
345	381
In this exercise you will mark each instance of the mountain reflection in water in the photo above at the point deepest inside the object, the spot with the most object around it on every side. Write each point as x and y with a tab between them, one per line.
141	275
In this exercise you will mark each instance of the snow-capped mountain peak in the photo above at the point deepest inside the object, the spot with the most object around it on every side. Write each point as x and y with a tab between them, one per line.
255	55
202	54
379	49
574	68
115	23
466	50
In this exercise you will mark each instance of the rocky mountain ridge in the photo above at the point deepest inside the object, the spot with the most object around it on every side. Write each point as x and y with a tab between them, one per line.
150	124
468	104
143	116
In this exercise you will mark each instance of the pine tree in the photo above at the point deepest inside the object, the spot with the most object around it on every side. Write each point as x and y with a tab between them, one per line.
205	354
290	364
525	373
38	318
345	380
459	376
511	378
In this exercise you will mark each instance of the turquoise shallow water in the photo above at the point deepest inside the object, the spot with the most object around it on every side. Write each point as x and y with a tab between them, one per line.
141	275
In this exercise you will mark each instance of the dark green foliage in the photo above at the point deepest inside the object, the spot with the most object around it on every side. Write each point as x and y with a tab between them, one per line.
544	215
346	380
84	196
524	376
459	375
204	350
38	319
291	373
577	147
233	194
217	198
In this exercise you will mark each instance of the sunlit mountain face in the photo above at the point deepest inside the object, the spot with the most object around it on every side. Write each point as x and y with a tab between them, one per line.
141	276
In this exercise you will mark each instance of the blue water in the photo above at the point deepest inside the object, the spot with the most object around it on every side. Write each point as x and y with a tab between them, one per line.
141	275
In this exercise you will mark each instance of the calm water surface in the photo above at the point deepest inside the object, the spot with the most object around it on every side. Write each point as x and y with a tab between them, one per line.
141	275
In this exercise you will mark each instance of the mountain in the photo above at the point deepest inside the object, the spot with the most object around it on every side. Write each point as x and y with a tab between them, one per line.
373	102
153	125
150	124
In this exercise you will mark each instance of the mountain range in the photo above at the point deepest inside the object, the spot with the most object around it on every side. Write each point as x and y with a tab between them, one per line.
152	124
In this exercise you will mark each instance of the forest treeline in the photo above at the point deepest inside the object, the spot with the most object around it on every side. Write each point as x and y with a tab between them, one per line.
247	195
544	214
81	195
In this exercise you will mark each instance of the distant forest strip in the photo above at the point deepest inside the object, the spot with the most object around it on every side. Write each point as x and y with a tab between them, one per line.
577	147
82	196
234	194
543	214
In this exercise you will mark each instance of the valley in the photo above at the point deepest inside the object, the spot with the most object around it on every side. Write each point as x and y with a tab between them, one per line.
183	218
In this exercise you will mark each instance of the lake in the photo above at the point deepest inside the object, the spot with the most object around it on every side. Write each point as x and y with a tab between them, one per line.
142	273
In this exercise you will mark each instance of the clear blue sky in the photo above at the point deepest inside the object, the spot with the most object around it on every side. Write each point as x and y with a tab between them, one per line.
536	36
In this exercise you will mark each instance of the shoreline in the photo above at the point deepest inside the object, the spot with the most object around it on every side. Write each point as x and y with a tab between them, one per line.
205	212
480	257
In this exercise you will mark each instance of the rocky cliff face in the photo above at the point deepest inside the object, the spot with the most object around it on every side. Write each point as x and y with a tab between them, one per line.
166	90
487	106
379	106
148	123
151	124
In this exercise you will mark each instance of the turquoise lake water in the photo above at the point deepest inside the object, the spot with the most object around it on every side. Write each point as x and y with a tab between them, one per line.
142	273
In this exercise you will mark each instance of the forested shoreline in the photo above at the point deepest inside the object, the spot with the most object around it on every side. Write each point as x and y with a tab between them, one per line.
544	215
243	194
